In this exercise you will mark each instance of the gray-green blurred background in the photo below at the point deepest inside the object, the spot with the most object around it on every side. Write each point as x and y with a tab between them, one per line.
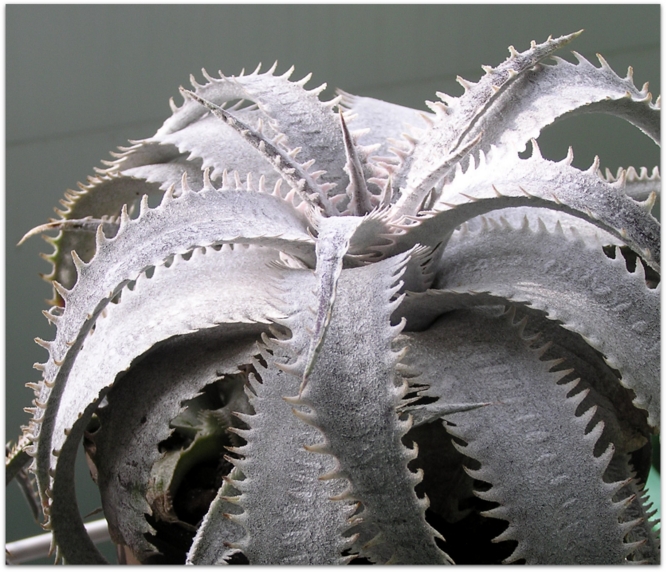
83	79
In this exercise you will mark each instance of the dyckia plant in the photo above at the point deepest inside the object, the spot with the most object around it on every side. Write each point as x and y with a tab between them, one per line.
353	331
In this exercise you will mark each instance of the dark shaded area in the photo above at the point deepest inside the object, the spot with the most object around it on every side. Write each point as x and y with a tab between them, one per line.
173	542
238	558
454	509
199	488
641	461
190	503
652	277
469	541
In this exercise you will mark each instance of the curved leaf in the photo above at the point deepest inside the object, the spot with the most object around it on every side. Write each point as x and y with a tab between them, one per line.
380	120
353	398
455	125
189	295
293	112
177	226
282	160
135	420
511	104
288	514
573	282
552	465
503	180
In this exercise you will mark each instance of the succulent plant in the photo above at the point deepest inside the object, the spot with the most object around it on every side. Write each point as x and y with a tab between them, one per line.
353	330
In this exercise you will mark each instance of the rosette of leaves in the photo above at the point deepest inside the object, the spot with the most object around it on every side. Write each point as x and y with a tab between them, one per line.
384	335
